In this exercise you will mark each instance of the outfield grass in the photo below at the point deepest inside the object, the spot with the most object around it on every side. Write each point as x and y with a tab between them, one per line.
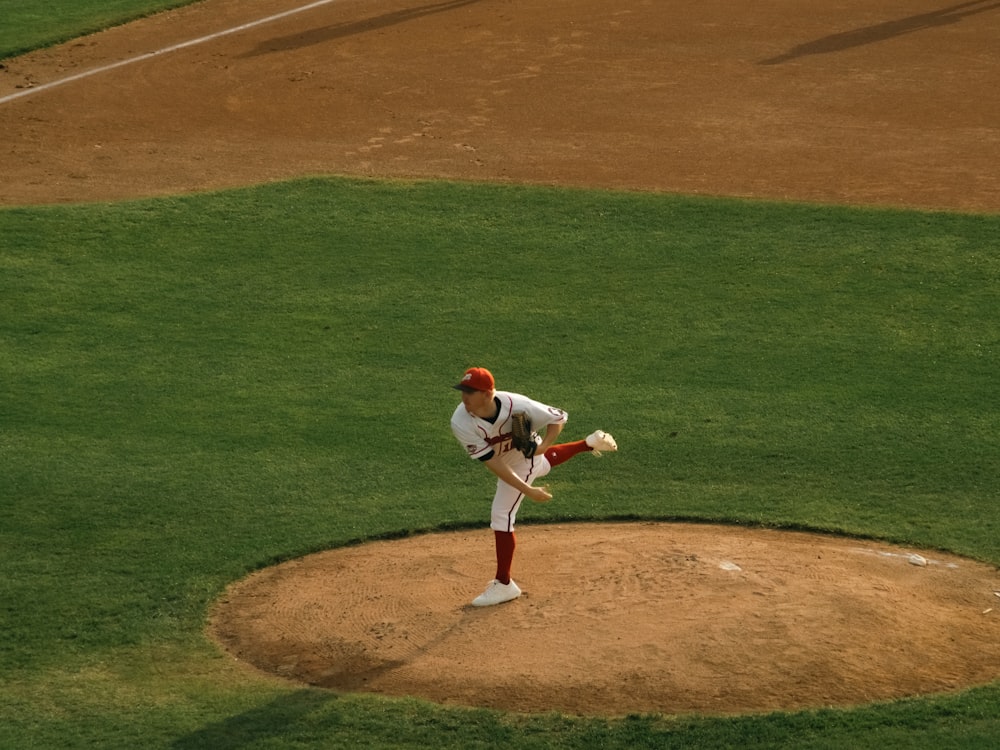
199	386
30	24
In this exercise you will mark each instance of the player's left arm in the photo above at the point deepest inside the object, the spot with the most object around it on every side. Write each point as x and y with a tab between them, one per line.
549	437
549	422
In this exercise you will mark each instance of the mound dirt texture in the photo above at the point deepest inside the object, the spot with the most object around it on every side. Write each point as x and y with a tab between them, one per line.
622	618
886	104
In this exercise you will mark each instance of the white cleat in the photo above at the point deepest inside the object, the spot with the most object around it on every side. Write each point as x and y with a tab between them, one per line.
601	441
497	593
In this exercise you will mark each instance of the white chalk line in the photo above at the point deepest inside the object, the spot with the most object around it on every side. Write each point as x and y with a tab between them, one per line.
163	51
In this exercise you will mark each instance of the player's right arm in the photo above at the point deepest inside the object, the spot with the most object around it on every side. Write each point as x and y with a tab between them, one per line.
507	474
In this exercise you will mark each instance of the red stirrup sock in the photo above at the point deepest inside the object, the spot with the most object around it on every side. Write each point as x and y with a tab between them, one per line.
564	452
505	554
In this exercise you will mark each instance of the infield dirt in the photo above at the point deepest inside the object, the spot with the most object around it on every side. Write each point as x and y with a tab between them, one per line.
892	103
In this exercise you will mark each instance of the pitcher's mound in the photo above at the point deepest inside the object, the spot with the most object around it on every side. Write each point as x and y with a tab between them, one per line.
621	618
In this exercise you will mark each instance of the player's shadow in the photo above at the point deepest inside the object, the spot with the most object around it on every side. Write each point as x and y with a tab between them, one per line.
341	30
883	31
282	718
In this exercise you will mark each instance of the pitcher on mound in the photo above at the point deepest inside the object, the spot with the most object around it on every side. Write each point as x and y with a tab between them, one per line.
514	437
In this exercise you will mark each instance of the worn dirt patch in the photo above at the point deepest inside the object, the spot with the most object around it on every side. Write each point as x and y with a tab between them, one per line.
891	103
622	618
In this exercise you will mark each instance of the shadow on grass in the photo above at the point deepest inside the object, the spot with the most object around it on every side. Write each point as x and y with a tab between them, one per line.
279	718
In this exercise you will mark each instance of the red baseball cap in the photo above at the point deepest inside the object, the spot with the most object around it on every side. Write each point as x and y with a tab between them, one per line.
476	379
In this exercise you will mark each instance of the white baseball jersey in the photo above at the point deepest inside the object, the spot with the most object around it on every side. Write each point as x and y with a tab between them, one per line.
482	438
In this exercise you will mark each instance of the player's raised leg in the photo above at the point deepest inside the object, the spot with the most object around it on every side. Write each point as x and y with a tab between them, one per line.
594	442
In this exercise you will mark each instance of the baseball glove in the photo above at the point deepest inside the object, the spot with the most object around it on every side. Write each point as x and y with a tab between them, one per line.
522	437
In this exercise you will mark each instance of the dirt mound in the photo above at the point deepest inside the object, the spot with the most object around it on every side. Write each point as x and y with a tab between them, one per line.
622	618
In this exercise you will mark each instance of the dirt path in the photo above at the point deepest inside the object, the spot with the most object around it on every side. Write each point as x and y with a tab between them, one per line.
889	104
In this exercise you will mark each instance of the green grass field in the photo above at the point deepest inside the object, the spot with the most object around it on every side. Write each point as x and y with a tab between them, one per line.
30	24
197	387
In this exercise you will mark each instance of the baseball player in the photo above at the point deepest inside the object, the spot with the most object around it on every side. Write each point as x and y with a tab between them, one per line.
514	437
